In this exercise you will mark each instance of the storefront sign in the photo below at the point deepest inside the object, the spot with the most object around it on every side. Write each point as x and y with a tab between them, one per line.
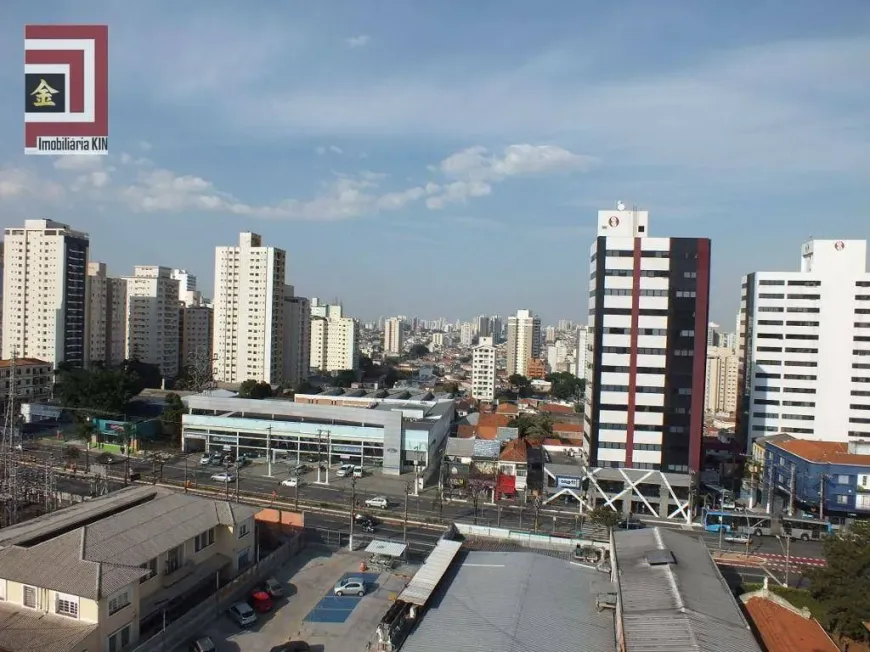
221	439
567	483
347	449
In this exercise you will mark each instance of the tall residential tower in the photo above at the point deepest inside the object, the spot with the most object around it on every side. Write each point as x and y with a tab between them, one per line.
523	342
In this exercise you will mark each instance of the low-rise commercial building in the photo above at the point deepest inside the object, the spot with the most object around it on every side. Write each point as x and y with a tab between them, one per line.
93	576
355	426
33	379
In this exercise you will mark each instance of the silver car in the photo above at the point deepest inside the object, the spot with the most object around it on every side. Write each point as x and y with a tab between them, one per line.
243	614
350	586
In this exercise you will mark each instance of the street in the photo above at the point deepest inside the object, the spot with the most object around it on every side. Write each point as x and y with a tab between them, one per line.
423	508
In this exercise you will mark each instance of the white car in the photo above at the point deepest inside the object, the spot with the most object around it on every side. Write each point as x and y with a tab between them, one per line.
350	586
357	471
205	460
290	482
380	502
223	477
738	538
344	470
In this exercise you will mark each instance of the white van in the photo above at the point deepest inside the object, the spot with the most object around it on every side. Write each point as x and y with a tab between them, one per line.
357	471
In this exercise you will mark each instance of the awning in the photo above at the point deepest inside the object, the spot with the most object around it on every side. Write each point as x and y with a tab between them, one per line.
386	548
426	580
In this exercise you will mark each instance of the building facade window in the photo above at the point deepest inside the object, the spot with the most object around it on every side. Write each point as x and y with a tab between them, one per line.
67	605
118	601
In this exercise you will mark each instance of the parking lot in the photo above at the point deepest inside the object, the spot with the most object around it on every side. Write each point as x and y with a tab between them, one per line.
310	612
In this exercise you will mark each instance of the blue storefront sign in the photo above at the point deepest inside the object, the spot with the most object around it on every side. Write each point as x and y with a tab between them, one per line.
347	449
567	483
221	439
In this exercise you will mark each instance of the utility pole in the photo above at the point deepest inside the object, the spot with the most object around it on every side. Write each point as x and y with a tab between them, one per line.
269	450
352	508
787	557
405	520
822	497
769	476
791	491
238	473
319	453
328	453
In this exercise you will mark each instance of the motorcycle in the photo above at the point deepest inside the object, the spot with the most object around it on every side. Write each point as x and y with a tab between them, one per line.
368	528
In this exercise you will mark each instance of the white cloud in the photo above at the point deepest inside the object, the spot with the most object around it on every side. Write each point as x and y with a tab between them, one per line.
359	41
78	162
142	187
336	150
144	145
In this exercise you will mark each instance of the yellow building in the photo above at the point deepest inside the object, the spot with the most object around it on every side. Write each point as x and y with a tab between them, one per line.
90	577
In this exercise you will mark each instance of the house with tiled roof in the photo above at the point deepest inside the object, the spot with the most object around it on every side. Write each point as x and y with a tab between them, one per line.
555	409
512	468
92	576
782	627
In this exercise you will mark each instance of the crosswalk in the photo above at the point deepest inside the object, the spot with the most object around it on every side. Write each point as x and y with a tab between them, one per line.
779	561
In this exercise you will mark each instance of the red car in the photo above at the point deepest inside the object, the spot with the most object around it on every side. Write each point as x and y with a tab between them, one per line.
261	601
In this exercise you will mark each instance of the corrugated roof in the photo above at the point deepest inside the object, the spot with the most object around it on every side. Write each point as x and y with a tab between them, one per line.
387	548
506	434
684	605
425	580
516	602
459	447
486	449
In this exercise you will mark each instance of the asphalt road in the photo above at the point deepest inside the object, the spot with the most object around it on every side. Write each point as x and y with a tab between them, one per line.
424	507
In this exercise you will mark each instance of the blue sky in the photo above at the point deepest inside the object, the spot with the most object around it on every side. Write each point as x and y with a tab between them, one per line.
448	158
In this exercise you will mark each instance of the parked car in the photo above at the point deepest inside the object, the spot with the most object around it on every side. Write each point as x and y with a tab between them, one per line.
223	477
631	524
350	586
739	538
205	460
242	613
344	470
381	502
290	482
300	468
204	644
261	601
273	587
357	471
292	646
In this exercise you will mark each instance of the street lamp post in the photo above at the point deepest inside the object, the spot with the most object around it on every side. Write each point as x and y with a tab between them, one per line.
352	508
787	550
269	450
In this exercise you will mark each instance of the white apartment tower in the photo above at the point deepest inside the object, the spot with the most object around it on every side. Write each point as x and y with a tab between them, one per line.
334	341
648	313
45	293
466	334
483	370
722	372
393	336
523	342
581	358
297	337
804	346
186	286
152	318
107	319
248	341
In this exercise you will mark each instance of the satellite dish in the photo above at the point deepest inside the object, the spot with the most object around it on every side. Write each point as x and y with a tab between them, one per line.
620	206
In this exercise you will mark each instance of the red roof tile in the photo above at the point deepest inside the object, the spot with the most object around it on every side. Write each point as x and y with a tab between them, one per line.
514	451
782	630
823	451
554	408
494	420
465	431
507	408
567	427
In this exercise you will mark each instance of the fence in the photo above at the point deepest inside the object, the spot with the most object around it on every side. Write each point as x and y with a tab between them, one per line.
177	635
526	539
336	540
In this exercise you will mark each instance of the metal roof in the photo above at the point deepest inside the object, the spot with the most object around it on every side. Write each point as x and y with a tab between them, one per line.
387	548
682	604
504	433
486	449
422	585
459	447
516	602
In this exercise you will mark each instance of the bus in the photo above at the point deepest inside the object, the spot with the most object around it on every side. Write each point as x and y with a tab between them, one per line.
758	525
723	498
737	522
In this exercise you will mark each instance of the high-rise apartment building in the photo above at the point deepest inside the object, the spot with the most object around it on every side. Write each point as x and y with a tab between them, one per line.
713	335
804	345
152	318
484	326
334	341
557	356
648	313
523	342
195	326
297	337
722	372
550	334
45	293
466	334
107	318
483	370
248	341
187	293
393	336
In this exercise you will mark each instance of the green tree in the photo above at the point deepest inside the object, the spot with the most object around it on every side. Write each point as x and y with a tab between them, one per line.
344	378
842	586
565	385
366	364
148	374
255	389
520	385
449	388
170	418
534	426
604	515
418	351
100	390
306	388
71	453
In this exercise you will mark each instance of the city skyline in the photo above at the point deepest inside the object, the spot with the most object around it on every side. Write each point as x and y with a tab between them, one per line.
713	132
